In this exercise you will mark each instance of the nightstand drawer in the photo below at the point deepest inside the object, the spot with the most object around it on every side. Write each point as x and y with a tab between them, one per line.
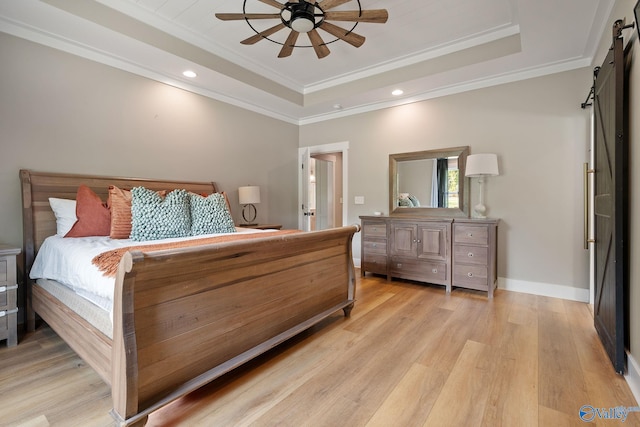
8	297
8	324
4	271
472	234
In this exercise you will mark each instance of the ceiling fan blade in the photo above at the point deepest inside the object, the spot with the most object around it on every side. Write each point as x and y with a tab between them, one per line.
240	16
328	4
318	44
352	38
273	3
376	16
289	44
261	35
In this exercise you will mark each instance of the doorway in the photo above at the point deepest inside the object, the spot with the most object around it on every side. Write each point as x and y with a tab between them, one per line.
323	186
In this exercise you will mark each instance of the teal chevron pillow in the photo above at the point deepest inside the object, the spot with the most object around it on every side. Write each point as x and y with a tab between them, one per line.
210	215
154	217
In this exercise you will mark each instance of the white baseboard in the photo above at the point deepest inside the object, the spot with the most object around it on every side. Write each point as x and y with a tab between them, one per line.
633	377
544	289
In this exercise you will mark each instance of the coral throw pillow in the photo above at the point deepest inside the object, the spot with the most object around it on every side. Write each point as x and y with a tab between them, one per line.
94	218
120	205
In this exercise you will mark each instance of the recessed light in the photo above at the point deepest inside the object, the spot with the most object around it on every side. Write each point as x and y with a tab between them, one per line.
189	73
397	92
337	106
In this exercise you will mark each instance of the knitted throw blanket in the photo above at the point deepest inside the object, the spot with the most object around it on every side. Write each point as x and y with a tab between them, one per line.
108	261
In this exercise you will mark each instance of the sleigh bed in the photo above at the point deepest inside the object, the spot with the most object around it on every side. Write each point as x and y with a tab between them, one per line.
184	316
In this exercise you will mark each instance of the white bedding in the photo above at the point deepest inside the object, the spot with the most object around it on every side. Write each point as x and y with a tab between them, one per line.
68	261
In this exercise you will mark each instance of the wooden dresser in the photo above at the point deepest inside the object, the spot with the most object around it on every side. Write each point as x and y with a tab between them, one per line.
442	251
8	295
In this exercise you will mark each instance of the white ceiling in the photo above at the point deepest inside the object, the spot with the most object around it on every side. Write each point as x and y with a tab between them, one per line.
428	48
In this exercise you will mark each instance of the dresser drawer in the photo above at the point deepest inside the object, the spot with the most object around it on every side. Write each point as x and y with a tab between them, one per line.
375	263
471	254
470	276
374	229
471	234
424	271
375	246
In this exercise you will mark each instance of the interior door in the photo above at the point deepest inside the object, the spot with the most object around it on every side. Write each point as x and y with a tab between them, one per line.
610	205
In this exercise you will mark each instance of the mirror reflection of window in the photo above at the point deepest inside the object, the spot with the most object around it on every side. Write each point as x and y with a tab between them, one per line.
431	183
453	180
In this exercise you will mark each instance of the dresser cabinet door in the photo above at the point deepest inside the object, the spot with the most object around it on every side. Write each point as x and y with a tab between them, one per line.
433	242
404	240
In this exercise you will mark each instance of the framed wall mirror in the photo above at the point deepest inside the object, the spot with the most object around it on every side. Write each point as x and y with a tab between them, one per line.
429	183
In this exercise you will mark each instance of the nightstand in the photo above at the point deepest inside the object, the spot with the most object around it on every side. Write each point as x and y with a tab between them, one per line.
262	226
8	295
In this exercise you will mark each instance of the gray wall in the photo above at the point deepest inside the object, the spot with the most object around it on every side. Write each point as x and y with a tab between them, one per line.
541	136
61	113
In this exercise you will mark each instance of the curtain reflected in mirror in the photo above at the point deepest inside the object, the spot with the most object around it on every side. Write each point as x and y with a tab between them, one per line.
429	183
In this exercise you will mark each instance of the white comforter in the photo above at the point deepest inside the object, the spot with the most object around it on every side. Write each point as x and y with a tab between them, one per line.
68	261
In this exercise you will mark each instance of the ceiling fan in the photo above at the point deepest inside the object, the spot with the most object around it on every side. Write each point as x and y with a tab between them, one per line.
306	16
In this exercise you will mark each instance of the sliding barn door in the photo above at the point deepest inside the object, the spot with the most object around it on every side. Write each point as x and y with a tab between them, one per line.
610	205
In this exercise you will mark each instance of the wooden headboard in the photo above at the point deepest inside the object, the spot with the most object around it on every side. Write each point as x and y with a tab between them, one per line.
38	221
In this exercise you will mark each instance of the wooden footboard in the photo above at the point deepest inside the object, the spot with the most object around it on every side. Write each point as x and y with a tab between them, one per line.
185	317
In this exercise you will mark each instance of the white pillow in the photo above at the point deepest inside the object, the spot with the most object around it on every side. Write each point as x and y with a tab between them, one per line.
65	212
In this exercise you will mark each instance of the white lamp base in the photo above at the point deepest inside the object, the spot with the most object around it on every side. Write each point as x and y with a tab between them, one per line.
480	211
480	208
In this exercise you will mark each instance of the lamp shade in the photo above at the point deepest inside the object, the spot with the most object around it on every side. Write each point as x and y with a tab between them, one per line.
482	165
249	194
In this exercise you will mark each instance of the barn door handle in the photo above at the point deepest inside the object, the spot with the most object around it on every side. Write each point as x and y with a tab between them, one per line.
585	186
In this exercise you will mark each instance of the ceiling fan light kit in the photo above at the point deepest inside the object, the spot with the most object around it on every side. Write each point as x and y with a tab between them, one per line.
302	16
306	16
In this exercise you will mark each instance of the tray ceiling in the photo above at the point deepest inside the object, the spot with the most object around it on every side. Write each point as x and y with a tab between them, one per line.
429	48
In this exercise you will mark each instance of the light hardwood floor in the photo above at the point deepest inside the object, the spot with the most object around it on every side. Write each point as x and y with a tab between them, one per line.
410	355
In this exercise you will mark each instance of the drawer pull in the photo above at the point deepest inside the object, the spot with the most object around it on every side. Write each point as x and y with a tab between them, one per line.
469	234
470	254
7	312
470	274
434	271
374	245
